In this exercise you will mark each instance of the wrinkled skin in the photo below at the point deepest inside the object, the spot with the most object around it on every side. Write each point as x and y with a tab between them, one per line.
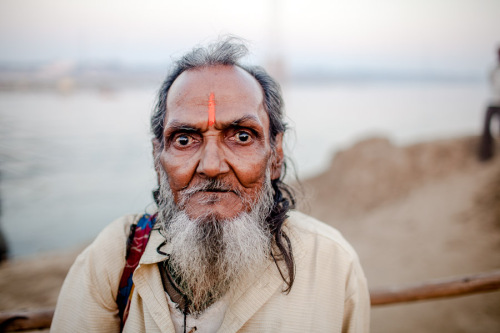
235	150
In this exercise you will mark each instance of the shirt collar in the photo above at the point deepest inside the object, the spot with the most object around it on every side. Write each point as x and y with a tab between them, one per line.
156	242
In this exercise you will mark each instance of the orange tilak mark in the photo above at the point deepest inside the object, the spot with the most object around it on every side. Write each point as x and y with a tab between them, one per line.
211	110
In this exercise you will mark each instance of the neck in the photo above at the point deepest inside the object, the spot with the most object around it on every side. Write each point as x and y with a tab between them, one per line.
171	285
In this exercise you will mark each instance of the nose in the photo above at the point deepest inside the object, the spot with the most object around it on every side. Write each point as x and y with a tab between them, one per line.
212	161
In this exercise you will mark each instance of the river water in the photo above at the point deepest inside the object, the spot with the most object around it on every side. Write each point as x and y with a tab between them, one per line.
71	163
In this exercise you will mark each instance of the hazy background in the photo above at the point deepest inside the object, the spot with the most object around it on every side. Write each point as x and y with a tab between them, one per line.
78	81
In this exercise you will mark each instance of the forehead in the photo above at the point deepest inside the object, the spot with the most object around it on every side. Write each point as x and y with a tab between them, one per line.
235	91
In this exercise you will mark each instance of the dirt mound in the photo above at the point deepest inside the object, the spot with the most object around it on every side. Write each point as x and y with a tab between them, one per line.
375	172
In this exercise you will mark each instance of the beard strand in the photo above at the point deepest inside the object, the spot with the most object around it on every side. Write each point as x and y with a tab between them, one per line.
207	254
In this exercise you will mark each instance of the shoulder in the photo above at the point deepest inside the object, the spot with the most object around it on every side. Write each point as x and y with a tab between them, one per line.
312	232
91	286
111	241
117	231
104	259
327	270
324	255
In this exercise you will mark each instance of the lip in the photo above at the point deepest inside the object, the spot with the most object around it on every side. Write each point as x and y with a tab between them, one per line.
216	191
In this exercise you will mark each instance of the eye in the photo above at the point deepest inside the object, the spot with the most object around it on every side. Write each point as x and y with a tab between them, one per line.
183	140
243	137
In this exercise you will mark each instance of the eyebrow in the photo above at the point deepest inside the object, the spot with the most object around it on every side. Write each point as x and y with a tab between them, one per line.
180	126
176	125
241	120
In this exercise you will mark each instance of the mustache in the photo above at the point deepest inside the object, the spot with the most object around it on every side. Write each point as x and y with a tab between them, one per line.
209	185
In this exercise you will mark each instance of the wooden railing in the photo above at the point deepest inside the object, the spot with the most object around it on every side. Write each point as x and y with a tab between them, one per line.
25	320
457	286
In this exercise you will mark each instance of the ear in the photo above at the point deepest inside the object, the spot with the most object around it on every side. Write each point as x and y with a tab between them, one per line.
156	157
277	157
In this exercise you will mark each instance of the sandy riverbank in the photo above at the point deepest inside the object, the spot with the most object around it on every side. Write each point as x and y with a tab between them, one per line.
413	213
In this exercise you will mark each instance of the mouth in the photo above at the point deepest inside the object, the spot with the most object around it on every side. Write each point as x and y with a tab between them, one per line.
211	196
216	191
210	191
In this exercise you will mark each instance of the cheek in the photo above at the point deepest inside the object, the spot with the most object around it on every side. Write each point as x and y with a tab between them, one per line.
179	170
251	171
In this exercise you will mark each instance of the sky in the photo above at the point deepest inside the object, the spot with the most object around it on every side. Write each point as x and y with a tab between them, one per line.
457	36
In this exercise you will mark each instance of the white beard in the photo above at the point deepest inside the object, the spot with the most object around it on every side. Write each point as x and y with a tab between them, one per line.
207	254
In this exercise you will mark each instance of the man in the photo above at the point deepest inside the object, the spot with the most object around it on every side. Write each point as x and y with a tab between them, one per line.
226	253
486	148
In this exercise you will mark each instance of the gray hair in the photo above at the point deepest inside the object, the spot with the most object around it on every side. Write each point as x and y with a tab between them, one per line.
228	52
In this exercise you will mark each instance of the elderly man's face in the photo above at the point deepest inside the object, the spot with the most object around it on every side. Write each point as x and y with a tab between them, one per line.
216	127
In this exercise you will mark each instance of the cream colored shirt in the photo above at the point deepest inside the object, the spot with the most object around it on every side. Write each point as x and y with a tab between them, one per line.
329	294
207	322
